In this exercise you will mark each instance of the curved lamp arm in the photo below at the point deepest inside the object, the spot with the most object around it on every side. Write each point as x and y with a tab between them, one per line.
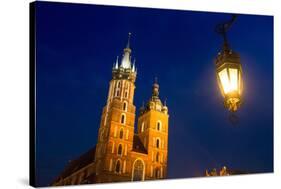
222	28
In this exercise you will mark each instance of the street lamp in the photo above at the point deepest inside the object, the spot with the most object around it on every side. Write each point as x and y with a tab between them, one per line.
229	70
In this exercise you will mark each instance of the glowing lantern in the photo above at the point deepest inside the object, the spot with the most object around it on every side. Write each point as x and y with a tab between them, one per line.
229	71
229	77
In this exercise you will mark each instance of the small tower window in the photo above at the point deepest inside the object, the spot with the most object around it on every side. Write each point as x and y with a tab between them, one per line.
126	94
121	134
157	143
117	90
119	151
119	84
125	106
118	166
158	126
123	118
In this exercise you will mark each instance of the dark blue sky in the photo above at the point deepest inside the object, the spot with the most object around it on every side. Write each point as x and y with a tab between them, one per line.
76	46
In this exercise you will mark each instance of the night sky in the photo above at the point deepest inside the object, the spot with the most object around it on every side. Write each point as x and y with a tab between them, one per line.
76	46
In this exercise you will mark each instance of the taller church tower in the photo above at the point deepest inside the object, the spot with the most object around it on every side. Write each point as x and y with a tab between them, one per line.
116	132
120	153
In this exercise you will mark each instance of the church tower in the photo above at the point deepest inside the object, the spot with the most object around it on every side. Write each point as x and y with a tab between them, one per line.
116	132
153	128
121	154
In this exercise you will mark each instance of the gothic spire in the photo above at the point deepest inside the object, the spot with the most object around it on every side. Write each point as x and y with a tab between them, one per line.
126	60
128	43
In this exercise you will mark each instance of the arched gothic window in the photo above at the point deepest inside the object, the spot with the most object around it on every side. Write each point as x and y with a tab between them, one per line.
119	151
125	106
157	143
118	167
117	89
119	84
123	118
158	125
126	94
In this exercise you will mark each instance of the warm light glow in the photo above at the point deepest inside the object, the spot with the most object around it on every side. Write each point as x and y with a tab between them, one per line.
229	80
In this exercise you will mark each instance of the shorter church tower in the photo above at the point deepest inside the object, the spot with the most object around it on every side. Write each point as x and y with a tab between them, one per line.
152	130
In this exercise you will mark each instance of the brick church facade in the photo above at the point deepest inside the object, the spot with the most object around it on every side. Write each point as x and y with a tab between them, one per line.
121	154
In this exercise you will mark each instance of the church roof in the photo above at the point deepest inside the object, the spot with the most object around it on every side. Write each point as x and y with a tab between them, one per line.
138	145
76	164
89	157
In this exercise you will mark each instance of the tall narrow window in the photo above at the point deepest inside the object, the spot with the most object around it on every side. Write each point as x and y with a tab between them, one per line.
157	143
126	94
123	118
119	151
158	126
117	91
125	106
121	133
118	166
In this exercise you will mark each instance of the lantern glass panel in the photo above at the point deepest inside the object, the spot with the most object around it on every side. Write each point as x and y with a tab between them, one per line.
233	79
223	76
